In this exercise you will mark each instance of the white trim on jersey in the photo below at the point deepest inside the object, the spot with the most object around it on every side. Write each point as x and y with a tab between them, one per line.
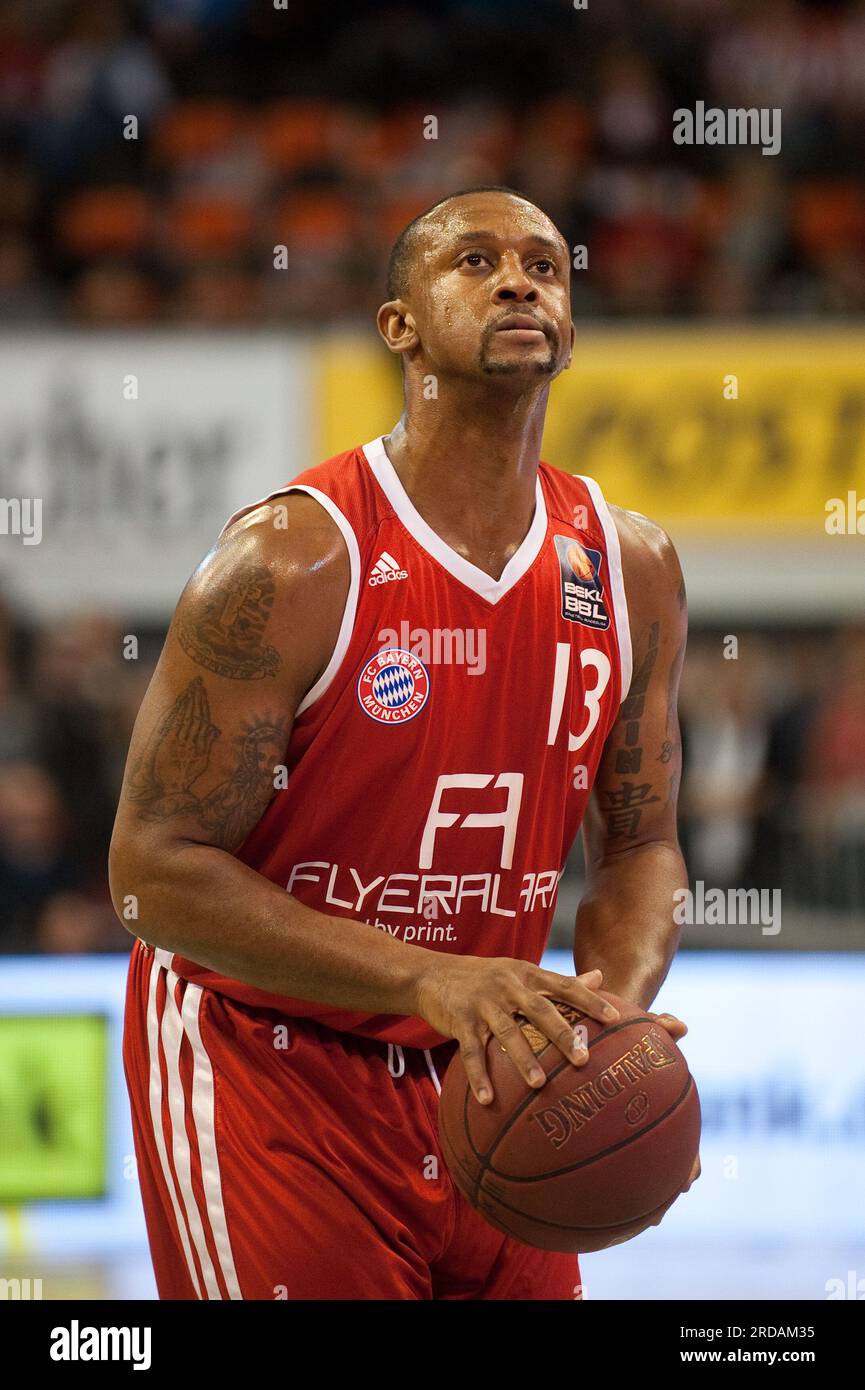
349	612
617	580
171	1030
468	574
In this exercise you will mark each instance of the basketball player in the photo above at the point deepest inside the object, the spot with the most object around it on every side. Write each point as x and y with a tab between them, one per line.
389	697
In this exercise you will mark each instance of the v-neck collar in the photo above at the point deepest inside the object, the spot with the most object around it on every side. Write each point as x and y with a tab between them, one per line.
457	565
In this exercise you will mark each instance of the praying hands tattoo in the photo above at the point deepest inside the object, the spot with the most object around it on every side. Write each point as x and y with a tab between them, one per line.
177	755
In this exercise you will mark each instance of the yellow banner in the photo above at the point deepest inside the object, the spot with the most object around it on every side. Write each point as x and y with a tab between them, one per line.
697	428
359	394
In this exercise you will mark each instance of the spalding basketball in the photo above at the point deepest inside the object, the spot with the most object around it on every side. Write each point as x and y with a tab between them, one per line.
594	1155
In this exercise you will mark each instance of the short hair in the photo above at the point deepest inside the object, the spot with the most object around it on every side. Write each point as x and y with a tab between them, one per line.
399	261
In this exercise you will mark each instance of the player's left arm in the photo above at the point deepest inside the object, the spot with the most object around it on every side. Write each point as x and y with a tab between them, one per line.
625	924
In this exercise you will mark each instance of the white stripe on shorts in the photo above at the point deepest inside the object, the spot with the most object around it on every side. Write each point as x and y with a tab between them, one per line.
174	1026
172	1036
203	1111
155	1096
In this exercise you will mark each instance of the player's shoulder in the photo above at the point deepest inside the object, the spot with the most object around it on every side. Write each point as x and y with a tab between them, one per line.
304	525
306	537
642	535
290	533
283	560
650	563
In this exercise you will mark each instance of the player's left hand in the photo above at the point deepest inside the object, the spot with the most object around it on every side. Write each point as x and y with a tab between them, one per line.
672	1025
677	1029
694	1174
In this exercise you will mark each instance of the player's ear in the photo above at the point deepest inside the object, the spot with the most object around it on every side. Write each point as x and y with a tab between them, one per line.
397	326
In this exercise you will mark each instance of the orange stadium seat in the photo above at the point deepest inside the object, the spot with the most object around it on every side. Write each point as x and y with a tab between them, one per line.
197	129
203	225
495	140
828	216
293	135
324	221
564	124
710	211
99	220
383	143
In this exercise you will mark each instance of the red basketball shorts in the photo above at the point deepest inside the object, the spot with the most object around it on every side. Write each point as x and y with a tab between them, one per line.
279	1159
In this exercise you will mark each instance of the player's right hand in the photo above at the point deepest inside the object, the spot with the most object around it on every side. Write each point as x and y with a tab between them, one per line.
473	999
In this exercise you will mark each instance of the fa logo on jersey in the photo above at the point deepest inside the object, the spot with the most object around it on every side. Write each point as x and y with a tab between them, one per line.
393	687
582	590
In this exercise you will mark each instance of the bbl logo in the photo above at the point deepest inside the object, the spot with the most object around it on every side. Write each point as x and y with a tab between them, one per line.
582	590
393	687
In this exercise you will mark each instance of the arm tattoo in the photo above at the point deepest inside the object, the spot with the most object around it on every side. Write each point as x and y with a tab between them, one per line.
177	755
624	806
629	758
228	637
671	748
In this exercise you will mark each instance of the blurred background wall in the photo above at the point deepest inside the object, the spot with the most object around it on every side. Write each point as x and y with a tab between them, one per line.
197	199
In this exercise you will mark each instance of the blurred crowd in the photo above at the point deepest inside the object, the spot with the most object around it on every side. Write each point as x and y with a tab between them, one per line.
68	702
155	153
773	789
773	793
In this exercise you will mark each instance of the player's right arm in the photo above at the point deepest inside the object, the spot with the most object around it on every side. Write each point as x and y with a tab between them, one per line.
252	633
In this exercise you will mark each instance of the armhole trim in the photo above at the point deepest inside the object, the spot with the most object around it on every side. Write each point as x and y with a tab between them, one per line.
346	628
617	581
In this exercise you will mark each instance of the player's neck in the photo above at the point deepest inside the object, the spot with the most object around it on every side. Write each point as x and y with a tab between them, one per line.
471	472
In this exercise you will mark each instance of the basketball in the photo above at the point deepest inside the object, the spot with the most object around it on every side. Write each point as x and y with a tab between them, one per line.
592	1157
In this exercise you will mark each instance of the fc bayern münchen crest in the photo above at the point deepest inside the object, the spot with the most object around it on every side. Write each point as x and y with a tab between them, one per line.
393	687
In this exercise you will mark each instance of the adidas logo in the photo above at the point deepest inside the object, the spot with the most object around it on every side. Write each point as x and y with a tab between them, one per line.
385	569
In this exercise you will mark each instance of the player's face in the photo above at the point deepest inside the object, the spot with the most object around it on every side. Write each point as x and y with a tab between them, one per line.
493	289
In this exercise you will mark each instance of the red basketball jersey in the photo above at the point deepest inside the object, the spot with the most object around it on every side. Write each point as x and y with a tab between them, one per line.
438	772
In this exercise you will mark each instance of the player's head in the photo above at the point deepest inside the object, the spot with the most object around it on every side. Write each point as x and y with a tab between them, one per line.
479	286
